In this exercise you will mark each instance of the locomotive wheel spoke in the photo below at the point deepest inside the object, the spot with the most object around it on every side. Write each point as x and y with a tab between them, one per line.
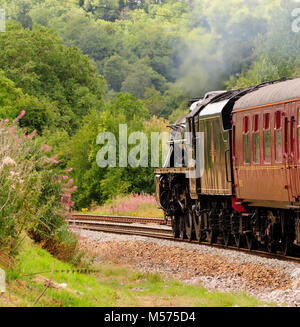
226	238
250	241
270	247
286	247
238	240
224	218
164	200
210	236
182	228
189	225
198	227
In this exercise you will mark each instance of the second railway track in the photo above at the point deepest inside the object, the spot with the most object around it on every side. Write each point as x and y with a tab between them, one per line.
152	227
120	219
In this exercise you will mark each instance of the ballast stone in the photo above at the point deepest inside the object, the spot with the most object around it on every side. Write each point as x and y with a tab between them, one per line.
296	278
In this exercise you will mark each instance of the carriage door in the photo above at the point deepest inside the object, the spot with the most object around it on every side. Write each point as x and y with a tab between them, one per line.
291	150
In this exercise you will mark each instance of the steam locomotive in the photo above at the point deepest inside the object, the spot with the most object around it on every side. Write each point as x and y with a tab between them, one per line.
232	174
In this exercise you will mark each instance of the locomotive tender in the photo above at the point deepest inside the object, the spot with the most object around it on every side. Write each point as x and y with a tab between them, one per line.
239	183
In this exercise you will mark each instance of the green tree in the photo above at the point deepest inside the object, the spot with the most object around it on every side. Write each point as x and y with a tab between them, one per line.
276	52
39	64
115	71
40	113
99	184
142	78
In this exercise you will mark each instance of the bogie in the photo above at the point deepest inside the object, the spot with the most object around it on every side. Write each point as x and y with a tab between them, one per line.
213	220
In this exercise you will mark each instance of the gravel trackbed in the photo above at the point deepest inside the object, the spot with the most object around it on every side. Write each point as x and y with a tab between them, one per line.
216	269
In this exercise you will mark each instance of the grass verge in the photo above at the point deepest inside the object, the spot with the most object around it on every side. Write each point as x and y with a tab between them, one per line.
144	213
110	286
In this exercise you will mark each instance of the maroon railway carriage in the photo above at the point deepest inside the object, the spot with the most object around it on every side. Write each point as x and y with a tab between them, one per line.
266	157
240	183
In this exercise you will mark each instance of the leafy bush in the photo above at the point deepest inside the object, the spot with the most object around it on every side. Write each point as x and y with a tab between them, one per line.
34	198
100	184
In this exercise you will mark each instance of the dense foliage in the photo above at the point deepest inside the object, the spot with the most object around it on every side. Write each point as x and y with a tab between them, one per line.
59	85
156	49
277	52
83	67
101	184
33	193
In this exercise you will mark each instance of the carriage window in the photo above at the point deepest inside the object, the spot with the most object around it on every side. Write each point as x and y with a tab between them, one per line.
267	140
246	140
298	127
278	137
293	135
233	141
286	135
256	157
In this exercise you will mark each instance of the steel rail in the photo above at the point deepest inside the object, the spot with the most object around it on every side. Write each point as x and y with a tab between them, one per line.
163	233
121	219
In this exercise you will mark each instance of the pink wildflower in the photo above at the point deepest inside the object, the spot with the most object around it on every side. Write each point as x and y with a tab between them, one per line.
21	114
32	134
70	190
53	159
70	182
46	148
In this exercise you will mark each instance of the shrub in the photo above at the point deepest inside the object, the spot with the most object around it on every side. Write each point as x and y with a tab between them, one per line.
34	198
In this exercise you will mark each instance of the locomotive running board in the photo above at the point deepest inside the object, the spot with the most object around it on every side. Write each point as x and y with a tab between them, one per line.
171	171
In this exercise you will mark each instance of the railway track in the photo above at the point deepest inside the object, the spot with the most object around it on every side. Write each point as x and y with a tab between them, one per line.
120	219
155	228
